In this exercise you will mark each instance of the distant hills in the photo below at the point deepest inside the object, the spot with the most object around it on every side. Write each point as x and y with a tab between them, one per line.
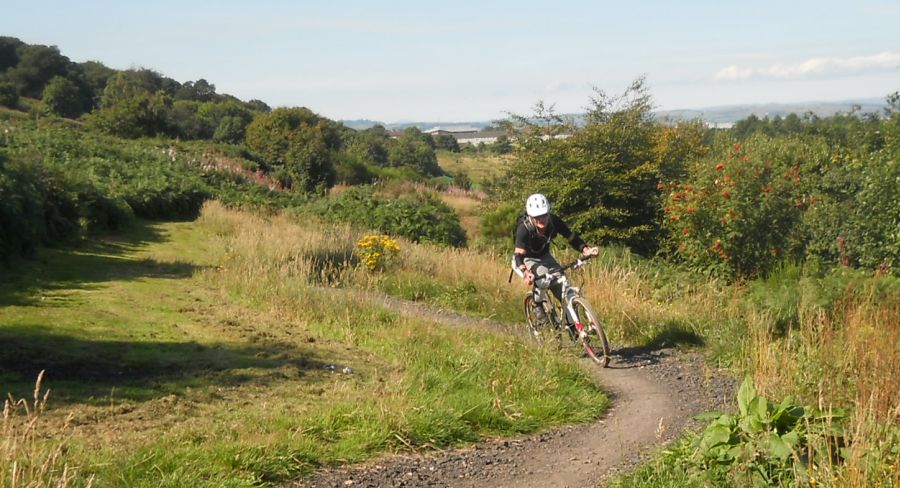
725	114
733	113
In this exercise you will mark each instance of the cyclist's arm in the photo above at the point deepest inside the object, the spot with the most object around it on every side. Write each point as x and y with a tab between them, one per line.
574	239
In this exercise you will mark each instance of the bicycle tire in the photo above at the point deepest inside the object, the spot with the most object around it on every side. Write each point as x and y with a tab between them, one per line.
595	342
536	329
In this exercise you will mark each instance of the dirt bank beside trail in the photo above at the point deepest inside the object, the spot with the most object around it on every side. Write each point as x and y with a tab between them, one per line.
653	395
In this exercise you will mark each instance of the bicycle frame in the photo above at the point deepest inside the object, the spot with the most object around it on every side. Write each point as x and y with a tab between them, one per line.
568	293
573	307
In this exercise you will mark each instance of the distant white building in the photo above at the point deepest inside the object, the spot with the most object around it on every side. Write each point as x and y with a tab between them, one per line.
719	125
468	136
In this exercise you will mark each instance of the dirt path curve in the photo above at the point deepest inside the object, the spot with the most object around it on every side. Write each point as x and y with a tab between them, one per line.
653	396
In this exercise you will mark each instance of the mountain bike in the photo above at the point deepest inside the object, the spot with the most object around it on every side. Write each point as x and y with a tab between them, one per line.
574	317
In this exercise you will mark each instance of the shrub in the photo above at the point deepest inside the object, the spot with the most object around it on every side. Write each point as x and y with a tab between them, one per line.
874	233
9	97
420	217
758	446
62	97
734	216
377	251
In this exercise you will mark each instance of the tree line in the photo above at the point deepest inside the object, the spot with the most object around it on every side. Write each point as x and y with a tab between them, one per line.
733	203
304	150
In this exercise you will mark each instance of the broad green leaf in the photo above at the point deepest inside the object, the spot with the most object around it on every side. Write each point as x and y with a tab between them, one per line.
782	408
745	394
714	435
705	416
792	438
778	447
759	409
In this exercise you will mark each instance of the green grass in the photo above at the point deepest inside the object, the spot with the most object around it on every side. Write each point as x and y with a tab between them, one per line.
479	167
177	366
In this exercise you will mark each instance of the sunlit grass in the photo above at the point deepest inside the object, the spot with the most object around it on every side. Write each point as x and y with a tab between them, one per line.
479	167
828	351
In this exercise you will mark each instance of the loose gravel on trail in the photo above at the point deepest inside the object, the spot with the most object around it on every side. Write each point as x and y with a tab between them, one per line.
653	393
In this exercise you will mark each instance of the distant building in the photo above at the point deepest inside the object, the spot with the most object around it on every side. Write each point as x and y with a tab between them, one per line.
468	136
720	125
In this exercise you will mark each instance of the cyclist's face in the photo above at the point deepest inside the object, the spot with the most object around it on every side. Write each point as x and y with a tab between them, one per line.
541	221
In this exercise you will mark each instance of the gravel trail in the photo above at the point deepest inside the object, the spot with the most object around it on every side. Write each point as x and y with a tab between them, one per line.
653	396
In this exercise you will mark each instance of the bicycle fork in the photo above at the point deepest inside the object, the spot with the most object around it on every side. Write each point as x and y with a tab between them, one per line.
574	321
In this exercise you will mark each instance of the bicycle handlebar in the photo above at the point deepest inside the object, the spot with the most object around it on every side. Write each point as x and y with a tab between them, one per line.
556	275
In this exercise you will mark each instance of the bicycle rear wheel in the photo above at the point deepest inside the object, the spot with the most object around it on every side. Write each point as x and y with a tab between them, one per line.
595	342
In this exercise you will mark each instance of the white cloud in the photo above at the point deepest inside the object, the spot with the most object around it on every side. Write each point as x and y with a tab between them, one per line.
813	68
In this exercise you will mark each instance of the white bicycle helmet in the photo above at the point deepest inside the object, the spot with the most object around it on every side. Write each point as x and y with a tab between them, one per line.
537	205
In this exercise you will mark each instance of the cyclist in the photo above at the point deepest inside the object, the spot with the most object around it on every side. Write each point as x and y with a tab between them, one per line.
532	254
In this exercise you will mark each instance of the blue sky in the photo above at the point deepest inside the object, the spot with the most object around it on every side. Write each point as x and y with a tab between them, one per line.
467	60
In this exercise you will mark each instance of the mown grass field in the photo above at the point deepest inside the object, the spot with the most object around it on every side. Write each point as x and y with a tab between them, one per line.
480	168
233	351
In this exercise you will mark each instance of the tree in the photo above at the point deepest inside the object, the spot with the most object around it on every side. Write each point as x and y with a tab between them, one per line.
9	97
37	65
502	145
604	177
447	142
258	106
63	98
298	145
9	56
128	109
370	146
185	121
200	90
230	129
411	149
152	81
96	74
746	127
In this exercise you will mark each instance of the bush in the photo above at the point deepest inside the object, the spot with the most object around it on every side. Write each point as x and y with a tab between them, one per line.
62	97
419	218
874	231
734	216
9	97
297	143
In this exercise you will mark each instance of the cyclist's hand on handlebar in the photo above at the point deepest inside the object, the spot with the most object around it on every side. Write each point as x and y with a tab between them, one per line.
529	277
590	251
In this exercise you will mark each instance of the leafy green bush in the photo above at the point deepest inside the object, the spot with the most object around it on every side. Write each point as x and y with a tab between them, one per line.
603	178
298	145
58	181
40	205
62	97
9	97
734	216
874	233
420	217
752	205
760	445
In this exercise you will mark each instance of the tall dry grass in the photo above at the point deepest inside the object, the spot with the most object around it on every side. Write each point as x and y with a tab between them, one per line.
636	308
27	459
848	357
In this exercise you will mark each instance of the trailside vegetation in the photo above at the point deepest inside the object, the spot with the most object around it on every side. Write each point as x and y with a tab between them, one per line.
775	245
730	204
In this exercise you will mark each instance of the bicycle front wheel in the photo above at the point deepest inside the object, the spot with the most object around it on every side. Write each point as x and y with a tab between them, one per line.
536	328
594	340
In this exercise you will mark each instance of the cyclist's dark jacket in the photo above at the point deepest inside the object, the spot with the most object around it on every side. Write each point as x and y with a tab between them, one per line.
536	245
